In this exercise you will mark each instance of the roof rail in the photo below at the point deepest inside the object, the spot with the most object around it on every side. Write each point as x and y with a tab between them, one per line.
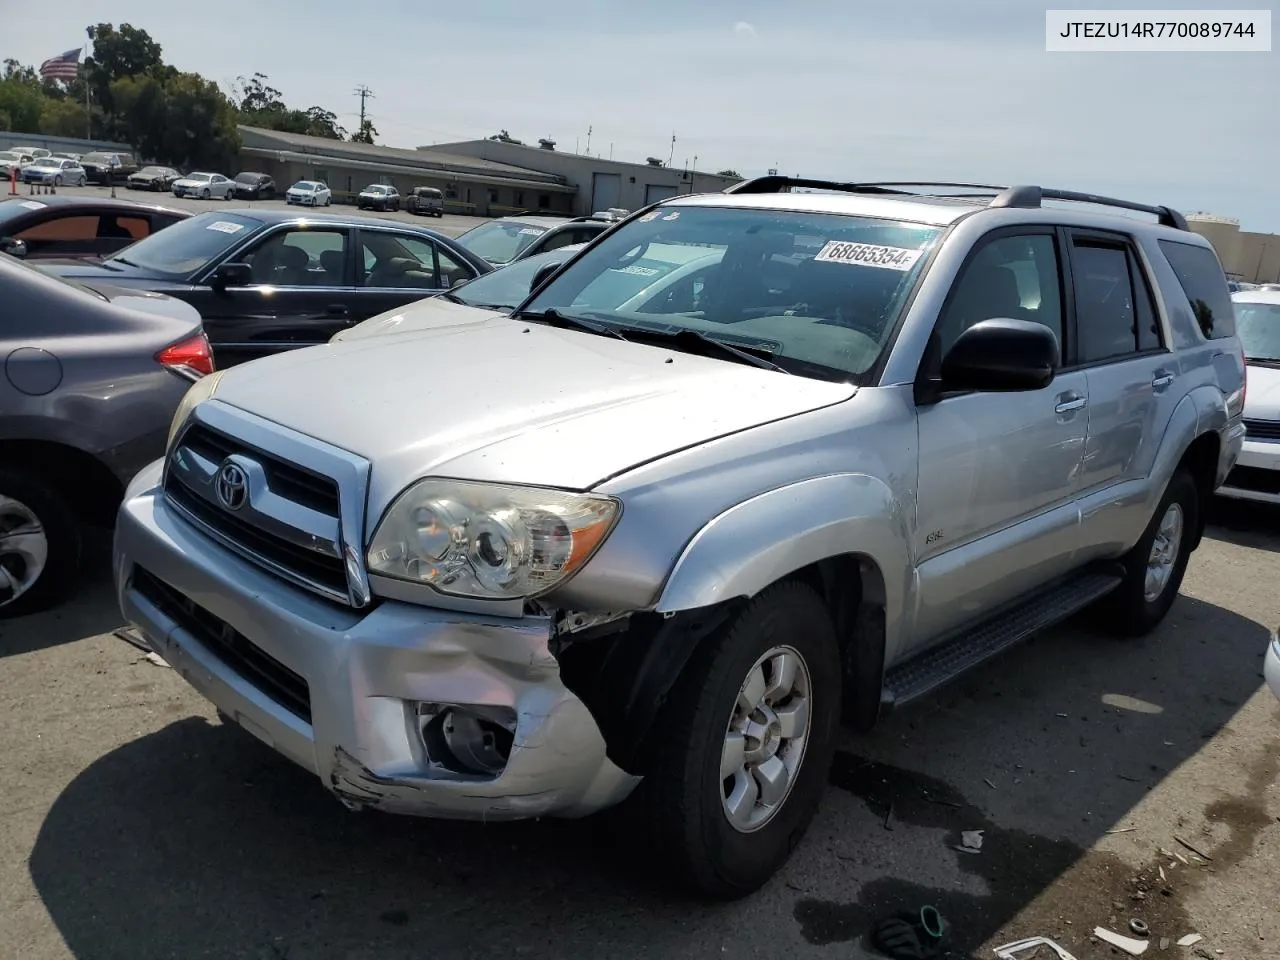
1032	197
779	184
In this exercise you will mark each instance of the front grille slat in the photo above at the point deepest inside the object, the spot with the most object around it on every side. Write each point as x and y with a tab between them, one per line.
287	688
319	569
1262	429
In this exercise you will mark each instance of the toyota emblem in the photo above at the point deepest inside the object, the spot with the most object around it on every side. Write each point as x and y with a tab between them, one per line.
231	485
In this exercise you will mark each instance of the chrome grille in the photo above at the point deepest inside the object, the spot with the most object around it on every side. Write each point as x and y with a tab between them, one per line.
274	497
1262	429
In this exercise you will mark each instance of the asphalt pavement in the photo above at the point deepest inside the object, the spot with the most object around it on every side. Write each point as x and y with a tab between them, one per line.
137	826
451	225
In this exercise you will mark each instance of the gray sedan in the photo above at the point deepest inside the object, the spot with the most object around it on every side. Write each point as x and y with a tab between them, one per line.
91	379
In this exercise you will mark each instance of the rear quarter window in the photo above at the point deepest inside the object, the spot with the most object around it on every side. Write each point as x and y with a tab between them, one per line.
1205	285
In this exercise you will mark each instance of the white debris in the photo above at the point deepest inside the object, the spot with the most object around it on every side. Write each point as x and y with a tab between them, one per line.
970	841
156	659
1129	945
1190	940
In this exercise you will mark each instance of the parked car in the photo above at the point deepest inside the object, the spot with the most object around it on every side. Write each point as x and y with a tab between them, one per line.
513	568
273	280
11	160
204	185
75	226
309	193
1257	472
255	186
153	178
98	164
425	201
94	376
492	294
510	238
68	156
55	172
378	196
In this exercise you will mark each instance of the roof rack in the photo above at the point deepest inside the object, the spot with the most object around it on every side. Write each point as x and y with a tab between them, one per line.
1022	197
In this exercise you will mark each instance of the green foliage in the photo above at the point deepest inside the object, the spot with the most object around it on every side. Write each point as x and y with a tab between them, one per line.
365	134
166	115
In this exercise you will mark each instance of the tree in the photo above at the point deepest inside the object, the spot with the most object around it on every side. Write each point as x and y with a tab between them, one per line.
366	133
262	105
20	103
117	54
62	117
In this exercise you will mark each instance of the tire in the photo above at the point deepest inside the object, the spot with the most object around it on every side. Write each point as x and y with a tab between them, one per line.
57	181
82	181
683	795
26	501
1132	610
204	194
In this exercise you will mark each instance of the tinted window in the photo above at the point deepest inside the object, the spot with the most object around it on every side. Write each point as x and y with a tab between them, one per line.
300	258
399	262
500	241
178	251
1258	326
1014	277
1149	335
1106	324
1205	285
61	228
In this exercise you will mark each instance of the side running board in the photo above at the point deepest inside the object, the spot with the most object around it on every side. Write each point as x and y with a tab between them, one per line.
937	666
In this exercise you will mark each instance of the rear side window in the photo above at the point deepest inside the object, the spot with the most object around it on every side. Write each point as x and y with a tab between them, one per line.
1205	285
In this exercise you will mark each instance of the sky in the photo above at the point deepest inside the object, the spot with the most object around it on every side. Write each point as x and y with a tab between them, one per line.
910	90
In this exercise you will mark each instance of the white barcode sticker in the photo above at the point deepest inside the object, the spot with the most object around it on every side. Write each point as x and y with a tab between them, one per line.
531	232
649	216
639	271
868	255
34	204
225	226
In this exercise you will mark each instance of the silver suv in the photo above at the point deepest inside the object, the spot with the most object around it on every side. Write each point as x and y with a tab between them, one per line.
863	438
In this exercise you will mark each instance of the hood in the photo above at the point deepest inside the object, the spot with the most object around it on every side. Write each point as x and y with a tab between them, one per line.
506	401
431	313
89	271
1262	397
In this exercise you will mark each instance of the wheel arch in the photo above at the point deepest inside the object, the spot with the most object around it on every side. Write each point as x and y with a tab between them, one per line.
85	483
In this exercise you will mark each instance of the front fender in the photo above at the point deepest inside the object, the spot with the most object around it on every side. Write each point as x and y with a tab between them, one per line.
761	540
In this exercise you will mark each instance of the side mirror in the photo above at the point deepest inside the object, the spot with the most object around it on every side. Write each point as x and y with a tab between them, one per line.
1001	355
13	247
544	272
233	275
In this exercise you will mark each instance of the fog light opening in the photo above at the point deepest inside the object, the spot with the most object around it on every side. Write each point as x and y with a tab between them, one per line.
467	740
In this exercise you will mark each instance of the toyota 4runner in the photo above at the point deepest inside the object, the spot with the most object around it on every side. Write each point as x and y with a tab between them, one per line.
859	439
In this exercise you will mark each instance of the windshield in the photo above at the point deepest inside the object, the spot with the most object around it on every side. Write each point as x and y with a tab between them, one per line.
98	158
820	292
304	185
199	176
180	250
1258	327
500	241
48	162
154	171
508	287
375	188
248	177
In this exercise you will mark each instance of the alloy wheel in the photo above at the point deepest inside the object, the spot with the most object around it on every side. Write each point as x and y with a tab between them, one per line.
24	549
1164	552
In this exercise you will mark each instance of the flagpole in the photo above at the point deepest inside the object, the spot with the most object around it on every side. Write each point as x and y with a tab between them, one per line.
88	116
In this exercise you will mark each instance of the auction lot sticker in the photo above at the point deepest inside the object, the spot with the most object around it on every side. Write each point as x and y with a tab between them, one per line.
868	255
223	226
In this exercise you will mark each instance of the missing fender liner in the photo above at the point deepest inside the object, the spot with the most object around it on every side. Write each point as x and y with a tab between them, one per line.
624	671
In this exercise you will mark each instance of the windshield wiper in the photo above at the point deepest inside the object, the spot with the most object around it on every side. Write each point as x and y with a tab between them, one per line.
554	318
127	263
700	341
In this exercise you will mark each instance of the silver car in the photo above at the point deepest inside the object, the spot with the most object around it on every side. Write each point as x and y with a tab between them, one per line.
205	186
91	379
519	564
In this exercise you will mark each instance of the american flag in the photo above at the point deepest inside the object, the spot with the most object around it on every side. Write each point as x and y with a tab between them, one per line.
62	67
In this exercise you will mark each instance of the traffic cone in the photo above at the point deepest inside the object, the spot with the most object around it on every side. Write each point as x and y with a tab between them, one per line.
53	188
31	190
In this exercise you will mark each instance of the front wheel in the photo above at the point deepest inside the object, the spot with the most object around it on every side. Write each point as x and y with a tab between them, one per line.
1154	568
57	181
39	545
204	194
742	753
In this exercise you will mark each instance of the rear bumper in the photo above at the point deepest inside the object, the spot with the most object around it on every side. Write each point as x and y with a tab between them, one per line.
1256	474
337	691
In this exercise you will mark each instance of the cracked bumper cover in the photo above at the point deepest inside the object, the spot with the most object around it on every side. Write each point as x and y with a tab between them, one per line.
365	673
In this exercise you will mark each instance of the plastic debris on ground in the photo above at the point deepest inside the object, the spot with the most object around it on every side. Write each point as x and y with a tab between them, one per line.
1018	949
970	841
1130	945
154	658
1190	940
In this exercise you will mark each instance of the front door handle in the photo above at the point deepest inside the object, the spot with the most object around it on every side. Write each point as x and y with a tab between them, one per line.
1161	381
337	309
1069	403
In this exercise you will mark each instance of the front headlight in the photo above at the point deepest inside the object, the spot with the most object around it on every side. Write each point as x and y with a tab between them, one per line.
200	391
489	541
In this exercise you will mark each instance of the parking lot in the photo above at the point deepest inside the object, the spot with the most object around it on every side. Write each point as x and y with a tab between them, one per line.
138	826
450	224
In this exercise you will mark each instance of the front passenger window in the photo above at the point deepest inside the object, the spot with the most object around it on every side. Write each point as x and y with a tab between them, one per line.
1010	277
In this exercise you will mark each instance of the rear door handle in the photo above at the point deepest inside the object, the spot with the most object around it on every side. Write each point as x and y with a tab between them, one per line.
1161	381
1072	403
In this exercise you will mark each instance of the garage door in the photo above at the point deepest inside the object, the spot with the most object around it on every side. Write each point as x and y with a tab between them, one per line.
656	191
606	191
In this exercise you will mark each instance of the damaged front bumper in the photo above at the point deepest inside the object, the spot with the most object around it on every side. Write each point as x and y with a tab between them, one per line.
404	708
